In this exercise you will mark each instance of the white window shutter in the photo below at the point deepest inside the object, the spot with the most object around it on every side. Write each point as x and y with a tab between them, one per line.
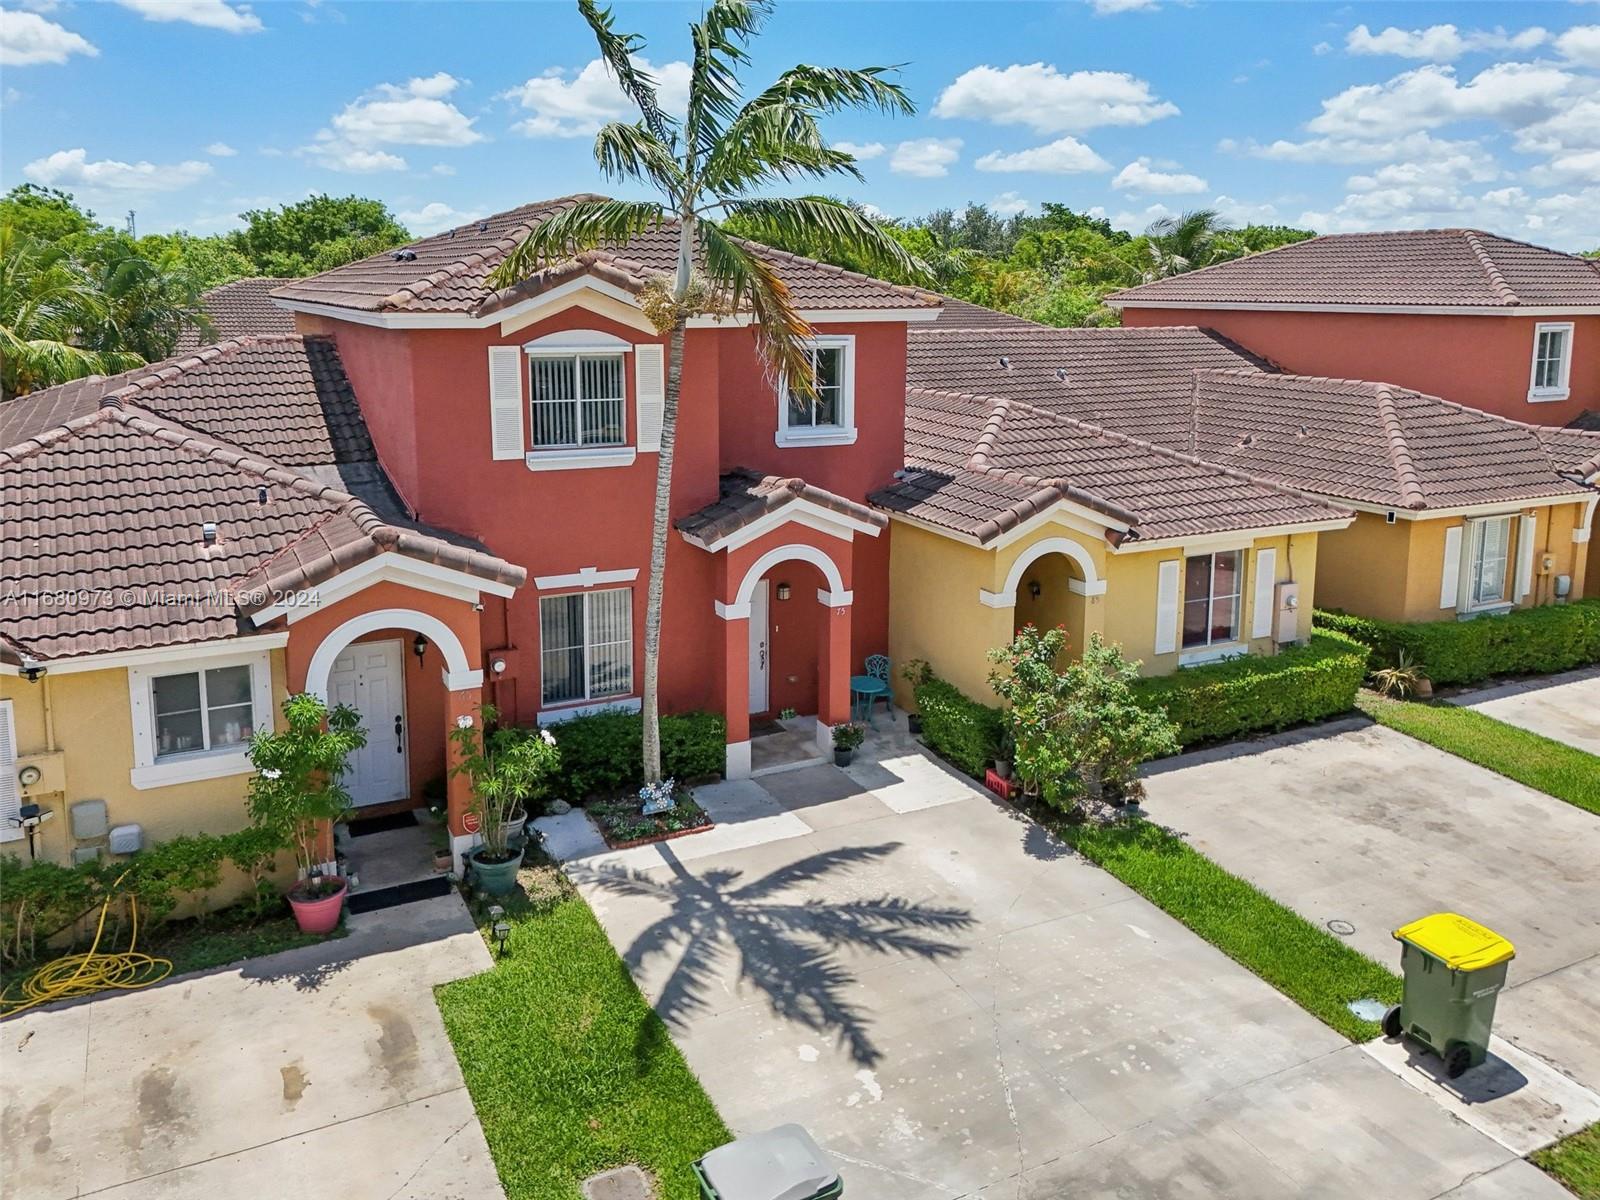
1526	532
650	380
1261	611
505	401
1450	575
10	794
1167	607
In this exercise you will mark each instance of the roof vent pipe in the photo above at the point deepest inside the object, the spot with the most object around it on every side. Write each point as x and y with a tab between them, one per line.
404	256
208	533
261	495
1005	363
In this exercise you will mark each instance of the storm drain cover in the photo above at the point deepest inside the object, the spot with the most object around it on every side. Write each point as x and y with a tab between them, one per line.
622	1183
1342	928
1368	1009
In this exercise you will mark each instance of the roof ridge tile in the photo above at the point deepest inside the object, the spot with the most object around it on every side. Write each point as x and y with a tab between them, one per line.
1497	281
1405	468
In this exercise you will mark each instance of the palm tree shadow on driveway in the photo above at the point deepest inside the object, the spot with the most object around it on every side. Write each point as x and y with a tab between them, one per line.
785	945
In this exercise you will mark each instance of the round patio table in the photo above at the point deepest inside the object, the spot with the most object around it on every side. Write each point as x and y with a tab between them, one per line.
868	688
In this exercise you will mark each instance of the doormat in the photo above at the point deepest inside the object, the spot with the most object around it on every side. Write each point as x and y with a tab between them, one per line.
763	728
401	893
362	826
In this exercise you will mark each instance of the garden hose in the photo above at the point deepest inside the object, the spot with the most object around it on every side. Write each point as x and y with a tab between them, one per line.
89	972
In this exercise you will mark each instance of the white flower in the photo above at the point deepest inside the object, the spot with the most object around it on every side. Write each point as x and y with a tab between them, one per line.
271	773
464	721
547	737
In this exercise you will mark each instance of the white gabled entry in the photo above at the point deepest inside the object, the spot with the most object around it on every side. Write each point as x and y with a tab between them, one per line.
370	678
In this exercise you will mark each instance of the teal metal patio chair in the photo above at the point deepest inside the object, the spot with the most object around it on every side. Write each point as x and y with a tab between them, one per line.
866	689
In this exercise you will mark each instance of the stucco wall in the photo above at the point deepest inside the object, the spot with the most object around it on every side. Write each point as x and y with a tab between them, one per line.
1484	362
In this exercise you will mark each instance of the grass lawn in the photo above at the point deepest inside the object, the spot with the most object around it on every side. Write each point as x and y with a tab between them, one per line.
1553	768
570	1070
1309	965
1575	1161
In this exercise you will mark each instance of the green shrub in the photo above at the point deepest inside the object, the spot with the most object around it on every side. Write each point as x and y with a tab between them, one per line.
1530	641
1257	693
958	727
603	753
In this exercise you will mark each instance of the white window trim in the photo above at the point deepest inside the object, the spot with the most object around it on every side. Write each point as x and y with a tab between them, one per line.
578	460
1216	652
10	787
1548	395
147	772
1465	605
583	454
842	434
1202	651
593	702
554	716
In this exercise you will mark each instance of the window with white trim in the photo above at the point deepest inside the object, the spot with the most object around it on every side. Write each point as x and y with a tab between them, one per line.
577	401
586	645
199	711
827	416
1488	558
1212	586
1552	361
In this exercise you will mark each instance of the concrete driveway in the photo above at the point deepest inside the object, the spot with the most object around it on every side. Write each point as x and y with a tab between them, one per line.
1358	823
957	1006
322	1071
1564	707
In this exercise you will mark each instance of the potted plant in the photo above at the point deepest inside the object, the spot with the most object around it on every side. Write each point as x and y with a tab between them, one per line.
1003	755
916	673
298	792
846	738
508	769
1404	679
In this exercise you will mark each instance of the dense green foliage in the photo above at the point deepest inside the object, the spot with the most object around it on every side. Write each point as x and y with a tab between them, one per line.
1260	693
1552	767
958	727
1530	641
1306	963
601	754
1055	267
570	1070
1575	1160
315	234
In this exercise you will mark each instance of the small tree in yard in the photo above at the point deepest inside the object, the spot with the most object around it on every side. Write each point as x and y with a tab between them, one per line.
507	767
1079	732
299	780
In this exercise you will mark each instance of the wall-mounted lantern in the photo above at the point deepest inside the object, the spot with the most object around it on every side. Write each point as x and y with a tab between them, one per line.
419	646
1034	589
783	591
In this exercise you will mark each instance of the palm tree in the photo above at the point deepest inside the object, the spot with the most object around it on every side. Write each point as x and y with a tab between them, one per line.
1185	243
45	306
704	169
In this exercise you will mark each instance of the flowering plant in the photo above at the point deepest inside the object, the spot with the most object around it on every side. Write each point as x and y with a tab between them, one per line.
656	797
509	767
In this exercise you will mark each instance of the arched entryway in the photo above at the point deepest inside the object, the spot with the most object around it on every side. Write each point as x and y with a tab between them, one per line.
1051	583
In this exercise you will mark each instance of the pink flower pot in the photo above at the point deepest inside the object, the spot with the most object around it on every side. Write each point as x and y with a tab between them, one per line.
320	915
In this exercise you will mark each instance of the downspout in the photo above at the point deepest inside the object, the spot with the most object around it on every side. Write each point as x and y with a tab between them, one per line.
49	716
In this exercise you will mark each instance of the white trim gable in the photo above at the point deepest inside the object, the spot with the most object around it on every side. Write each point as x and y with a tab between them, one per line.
585	577
566	342
388	567
800	511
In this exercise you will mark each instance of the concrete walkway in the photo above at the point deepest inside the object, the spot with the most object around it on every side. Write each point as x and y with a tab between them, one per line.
1563	707
957	1006
318	1072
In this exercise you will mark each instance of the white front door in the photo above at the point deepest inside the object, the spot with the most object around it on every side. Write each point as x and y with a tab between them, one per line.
760	649
370	678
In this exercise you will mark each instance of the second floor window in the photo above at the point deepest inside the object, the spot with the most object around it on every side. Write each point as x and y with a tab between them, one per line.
1552	362
578	401
827	416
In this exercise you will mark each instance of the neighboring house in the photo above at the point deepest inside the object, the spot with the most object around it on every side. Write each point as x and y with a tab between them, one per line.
237	308
1485	321
161	527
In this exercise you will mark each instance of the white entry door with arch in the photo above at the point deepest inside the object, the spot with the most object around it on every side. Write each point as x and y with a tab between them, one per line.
760	648
370	678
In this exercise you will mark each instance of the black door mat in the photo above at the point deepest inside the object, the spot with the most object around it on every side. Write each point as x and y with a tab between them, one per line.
362	826
763	728
400	893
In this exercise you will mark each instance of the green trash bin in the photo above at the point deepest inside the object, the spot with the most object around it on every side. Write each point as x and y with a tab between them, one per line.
1454	969
779	1164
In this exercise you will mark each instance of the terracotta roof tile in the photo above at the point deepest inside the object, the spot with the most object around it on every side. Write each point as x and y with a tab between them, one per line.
746	496
960	314
239	308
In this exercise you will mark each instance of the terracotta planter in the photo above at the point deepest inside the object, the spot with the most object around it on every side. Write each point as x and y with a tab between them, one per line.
319	915
1424	689
495	878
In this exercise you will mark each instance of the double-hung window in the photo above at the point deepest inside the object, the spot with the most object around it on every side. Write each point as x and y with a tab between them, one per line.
1488	556
1552	361
827	415
578	401
586	645
1212	584
199	711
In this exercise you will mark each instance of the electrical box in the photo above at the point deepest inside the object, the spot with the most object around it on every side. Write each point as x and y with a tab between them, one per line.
1563	586
86	854
127	839
51	769
89	819
1288	613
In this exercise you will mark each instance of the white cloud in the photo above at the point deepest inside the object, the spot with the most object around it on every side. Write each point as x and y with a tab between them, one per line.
1575	127
1411	146
1136	222
415	113
565	103
1564	218
1440	43
443	169
221	150
338	154
1138	177
1241	212
1322	48
861	151
1040	97
435	218
212	14
27	39
927	158
72	169
1064	156
1581	44
1108	7
1009	204
1509	93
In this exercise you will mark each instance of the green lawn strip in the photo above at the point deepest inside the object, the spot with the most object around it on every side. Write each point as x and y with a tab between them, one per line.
570	1070
1309	965
1558	770
1575	1161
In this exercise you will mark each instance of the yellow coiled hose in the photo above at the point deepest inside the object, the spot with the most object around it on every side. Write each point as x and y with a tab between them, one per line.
89	972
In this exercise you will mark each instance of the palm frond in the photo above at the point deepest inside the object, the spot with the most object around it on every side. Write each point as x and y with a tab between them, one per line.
832	89
817	218
720	38
617	50
743	278
586	225
778	140
633	152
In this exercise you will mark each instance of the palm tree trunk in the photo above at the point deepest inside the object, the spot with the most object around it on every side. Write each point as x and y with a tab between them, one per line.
660	529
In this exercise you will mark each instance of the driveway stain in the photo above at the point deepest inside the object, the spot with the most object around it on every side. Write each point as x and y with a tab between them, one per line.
294	1083
162	1116
397	1044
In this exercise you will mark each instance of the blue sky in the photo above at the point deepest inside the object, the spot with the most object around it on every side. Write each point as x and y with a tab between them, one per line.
1337	116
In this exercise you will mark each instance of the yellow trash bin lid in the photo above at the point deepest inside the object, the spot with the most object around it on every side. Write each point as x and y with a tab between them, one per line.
1462	944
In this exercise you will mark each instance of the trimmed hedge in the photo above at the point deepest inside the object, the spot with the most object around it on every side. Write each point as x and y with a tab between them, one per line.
958	727
1258	694
602	754
1530	641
